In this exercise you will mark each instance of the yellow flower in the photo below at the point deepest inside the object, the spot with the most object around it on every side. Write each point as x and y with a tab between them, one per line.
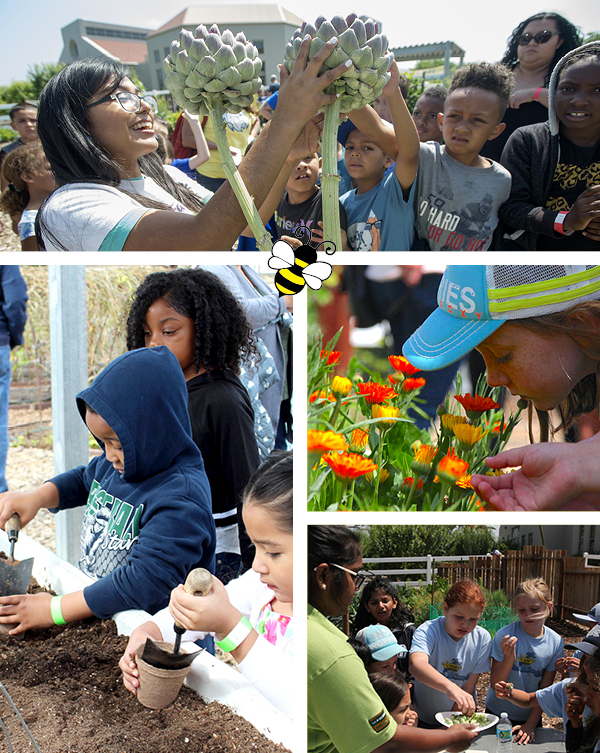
449	420
467	434
340	386
465	482
385	415
359	441
424	455
383	476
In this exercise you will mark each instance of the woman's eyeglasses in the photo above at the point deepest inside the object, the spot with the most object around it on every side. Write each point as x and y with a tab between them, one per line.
359	578
540	38
129	101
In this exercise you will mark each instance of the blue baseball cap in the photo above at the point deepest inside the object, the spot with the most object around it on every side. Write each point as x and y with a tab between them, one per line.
475	300
380	641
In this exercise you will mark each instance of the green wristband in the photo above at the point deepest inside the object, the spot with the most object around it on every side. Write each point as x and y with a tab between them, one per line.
237	635
56	611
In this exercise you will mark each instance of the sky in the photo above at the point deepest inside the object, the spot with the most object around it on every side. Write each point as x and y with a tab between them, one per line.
480	27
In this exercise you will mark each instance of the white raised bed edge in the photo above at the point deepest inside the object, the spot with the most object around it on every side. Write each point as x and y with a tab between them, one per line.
212	679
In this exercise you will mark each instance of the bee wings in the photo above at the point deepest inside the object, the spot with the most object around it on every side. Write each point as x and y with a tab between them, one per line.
315	273
282	256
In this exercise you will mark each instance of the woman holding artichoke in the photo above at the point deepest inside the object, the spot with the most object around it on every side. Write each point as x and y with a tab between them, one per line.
113	194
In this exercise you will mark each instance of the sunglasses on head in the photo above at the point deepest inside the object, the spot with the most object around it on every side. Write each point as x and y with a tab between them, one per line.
540	38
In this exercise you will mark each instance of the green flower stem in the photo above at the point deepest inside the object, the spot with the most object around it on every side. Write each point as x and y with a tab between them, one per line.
330	180
408	500
379	459
263	239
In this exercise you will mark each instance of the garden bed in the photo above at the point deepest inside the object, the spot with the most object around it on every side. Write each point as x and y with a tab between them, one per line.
66	683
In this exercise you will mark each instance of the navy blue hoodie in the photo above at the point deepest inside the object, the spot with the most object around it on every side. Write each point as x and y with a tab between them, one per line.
145	528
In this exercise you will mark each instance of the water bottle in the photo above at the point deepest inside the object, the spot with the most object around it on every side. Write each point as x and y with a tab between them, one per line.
504	734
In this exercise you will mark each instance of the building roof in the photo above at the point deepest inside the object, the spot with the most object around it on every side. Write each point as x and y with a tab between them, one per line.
125	50
427	51
230	15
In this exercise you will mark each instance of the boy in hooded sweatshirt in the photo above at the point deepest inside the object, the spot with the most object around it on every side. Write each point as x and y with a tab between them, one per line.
148	518
554	203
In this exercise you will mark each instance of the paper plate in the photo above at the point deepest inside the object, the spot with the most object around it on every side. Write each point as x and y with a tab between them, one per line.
441	717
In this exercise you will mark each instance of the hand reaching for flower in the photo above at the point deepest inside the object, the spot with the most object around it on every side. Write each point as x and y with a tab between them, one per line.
551	477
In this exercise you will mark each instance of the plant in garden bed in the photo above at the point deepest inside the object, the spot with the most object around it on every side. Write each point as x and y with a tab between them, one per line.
211	73
360	43
365	451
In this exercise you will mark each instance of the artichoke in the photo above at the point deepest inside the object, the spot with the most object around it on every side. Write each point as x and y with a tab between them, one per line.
209	65
358	41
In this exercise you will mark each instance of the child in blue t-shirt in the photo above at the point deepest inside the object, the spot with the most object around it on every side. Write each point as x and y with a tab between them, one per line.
380	209
448	654
525	654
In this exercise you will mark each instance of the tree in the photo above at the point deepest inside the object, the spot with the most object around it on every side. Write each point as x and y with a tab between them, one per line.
30	89
418	541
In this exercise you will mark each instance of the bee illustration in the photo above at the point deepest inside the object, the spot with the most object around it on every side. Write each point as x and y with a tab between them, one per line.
300	267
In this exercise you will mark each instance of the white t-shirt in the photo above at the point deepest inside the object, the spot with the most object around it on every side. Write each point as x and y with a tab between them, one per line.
534	657
96	217
456	660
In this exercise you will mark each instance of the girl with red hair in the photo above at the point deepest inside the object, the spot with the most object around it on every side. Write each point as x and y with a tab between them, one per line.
448	654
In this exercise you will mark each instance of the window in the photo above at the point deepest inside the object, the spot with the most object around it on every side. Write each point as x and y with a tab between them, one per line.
530	539
592	543
167	51
581	540
523	540
161	79
260	45
157	56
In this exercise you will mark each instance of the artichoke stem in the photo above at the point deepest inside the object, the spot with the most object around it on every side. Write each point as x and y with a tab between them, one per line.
263	238
330	180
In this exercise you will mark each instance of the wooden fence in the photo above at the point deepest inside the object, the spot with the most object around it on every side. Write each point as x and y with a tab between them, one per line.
575	585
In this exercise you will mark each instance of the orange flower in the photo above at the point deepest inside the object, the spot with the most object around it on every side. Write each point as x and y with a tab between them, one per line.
330	356
375	393
359	441
467	434
385	414
402	366
348	466
321	395
325	441
408	385
409	481
476	403
451	468
340	386
498	427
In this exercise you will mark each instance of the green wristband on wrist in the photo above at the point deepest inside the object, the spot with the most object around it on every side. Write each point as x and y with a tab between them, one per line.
56	611
241	631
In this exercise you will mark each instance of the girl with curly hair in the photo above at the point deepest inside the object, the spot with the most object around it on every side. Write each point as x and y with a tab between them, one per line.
379	604
203	325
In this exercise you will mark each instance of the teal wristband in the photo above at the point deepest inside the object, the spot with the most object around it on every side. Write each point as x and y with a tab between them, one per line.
56	611
241	631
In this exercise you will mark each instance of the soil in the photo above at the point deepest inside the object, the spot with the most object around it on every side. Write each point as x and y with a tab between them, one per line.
67	686
571	632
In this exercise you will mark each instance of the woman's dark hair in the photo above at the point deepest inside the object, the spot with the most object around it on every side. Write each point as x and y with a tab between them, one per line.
72	153
400	615
390	688
272	486
330	545
223	337
570	35
363	652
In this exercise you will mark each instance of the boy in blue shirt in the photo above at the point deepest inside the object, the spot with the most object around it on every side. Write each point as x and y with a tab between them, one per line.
148	518
380	209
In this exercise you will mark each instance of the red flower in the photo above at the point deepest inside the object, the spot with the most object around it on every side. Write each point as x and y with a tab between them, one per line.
408	385
330	356
375	393
409	481
348	466
402	366
476	403
321	395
